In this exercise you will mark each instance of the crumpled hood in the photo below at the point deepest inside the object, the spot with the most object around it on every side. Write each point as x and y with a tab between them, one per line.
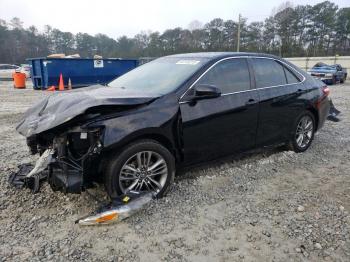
61	107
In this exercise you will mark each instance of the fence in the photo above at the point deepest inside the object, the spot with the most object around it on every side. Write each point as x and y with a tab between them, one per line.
308	62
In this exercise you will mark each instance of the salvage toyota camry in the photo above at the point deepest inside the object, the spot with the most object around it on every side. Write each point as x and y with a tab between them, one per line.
175	111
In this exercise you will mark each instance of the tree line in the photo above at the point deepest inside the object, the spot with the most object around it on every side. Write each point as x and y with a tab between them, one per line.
303	30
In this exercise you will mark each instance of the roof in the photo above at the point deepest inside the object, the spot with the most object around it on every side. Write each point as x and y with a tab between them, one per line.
76	58
214	55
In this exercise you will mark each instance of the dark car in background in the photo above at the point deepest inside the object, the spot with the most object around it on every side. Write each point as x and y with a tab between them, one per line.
330	74
173	112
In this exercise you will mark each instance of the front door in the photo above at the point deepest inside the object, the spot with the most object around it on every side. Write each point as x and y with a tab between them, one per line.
223	125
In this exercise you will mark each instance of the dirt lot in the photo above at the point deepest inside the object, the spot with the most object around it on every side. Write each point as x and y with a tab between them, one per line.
271	205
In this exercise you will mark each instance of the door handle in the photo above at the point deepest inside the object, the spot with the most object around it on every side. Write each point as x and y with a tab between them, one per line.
300	91
250	102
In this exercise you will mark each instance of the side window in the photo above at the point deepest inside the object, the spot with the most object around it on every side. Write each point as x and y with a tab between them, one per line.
268	72
229	76
291	78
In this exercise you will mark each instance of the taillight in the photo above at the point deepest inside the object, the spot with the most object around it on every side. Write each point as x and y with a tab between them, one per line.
325	93
326	90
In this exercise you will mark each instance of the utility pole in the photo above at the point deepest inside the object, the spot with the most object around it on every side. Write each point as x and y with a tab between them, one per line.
279	45
280	48
239	32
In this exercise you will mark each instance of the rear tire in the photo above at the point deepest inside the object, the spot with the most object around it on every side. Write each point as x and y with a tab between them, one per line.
303	132
343	79
131	169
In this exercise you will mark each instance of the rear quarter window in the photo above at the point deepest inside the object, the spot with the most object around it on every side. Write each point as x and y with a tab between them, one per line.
291	78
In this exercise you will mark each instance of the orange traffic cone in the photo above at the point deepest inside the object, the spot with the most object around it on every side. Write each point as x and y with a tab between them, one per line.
61	85
51	88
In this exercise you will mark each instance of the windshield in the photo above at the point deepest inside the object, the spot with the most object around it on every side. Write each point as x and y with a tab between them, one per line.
160	76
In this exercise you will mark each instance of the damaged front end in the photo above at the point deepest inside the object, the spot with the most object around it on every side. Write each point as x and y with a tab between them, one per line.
57	124
69	162
74	159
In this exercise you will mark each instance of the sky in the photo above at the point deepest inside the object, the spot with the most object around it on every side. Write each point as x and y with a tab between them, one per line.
129	17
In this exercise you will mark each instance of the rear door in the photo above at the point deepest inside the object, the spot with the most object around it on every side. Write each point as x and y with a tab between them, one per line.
280	93
219	126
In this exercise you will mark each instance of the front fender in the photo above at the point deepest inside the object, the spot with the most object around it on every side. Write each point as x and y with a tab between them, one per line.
158	118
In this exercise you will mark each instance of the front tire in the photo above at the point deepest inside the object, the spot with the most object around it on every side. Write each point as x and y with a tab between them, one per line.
142	166
303	132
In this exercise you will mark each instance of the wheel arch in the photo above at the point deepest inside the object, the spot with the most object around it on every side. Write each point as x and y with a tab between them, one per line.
152	134
314	112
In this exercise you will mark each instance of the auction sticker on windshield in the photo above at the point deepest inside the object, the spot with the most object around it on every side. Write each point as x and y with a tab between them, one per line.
187	62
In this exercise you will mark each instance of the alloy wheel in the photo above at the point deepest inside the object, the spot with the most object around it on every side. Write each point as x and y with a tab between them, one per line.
144	171
304	131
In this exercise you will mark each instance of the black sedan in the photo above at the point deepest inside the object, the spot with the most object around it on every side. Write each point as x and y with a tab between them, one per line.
175	111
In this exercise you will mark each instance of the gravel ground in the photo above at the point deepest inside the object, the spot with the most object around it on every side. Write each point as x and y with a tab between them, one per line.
269	205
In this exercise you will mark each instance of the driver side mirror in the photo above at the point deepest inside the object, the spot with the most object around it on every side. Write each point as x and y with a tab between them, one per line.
206	91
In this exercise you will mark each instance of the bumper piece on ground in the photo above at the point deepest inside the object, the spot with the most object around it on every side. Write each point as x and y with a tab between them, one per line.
119	209
333	113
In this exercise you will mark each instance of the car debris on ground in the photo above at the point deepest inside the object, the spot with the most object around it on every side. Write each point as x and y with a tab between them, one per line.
119	209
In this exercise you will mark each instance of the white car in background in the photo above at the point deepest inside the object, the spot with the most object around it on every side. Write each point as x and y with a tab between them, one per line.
6	70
